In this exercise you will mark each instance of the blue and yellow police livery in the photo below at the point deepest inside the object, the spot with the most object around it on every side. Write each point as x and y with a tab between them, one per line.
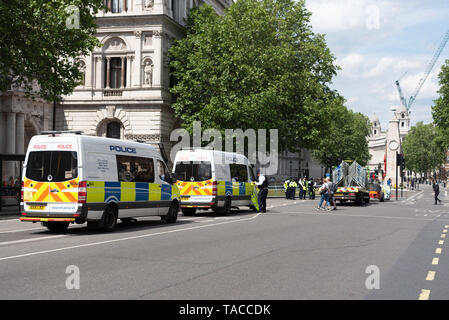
71	178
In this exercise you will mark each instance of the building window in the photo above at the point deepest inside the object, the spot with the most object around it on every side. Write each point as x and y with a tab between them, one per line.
113	130
402	124
115	73
375	131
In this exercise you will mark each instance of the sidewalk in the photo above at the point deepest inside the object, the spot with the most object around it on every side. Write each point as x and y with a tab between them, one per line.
9	213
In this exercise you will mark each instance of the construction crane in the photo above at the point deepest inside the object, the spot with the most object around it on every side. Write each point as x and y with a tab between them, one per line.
425	76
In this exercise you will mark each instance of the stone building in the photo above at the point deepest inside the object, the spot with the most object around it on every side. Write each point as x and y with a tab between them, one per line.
125	89
384	144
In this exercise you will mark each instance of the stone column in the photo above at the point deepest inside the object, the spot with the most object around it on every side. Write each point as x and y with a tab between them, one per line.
158	59
2	134
20	133
108	71
122	80
393	145
10	133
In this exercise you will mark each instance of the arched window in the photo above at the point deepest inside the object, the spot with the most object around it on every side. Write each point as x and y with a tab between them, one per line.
375	131
113	130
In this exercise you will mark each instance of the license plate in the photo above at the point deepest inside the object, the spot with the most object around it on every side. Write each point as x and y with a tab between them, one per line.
36	207
185	197
338	194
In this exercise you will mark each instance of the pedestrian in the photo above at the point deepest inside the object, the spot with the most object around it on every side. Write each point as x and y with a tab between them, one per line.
292	186
286	182
311	185
301	189
436	190
262	184
324	196
332	188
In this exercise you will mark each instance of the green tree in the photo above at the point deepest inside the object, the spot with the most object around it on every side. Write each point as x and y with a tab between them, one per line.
344	136
440	111
258	66
36	44
422	149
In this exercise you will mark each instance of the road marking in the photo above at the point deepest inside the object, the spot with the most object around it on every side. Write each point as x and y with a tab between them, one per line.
441	242
435	261
424	295
446	226
443	235
438	250
127	238
445	231
31	240
430	276
20	230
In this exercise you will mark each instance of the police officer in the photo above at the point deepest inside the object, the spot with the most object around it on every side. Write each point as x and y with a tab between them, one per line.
293	186
286	188
262	184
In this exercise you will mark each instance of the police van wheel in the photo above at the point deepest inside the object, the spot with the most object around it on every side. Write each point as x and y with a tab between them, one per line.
109	219
172	215
56	227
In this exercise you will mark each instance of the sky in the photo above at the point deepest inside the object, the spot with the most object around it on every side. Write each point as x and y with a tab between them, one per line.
377	42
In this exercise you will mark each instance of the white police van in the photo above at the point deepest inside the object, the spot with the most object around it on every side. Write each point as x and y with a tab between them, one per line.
73	178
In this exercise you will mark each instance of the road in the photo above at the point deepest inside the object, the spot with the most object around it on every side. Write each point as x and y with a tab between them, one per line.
291	252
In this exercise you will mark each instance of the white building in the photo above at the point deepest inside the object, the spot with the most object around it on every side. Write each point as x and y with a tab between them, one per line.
379	140
125	90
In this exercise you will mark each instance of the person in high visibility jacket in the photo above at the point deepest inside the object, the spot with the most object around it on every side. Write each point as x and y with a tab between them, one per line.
286	183
305	186
292	185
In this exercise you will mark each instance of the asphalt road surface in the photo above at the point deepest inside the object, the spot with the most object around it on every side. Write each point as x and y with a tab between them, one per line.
390	250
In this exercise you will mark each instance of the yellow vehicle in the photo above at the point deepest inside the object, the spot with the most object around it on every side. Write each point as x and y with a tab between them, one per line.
216	180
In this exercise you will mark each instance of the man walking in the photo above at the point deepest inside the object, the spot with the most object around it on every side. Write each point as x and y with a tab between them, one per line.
332	188
436	190
262	184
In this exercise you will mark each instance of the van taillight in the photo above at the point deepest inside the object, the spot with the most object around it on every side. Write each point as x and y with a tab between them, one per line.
214	188
82	192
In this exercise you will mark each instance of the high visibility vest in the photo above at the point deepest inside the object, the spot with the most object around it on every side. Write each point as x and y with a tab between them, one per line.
293	184
305	185
285	185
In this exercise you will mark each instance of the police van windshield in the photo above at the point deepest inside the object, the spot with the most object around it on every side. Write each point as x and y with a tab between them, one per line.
54	166
193	171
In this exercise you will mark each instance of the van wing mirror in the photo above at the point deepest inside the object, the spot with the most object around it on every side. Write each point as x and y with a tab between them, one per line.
173	177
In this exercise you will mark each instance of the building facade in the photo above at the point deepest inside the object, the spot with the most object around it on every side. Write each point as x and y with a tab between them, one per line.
383	145
125	89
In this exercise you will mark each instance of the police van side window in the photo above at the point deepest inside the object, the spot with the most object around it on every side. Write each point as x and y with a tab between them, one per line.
239	172
252	177
135	169
162	171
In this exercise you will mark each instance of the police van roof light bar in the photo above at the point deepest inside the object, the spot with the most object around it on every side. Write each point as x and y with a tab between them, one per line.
53	133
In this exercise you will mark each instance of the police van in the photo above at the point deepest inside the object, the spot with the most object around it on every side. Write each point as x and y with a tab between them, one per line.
209	179
73	178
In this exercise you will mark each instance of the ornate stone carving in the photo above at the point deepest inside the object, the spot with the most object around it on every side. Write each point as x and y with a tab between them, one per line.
148	73
157	33
115	44
148	4
138	34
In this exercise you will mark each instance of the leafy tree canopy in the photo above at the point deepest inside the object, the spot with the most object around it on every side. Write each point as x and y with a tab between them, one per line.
258	66
36	44
423	151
